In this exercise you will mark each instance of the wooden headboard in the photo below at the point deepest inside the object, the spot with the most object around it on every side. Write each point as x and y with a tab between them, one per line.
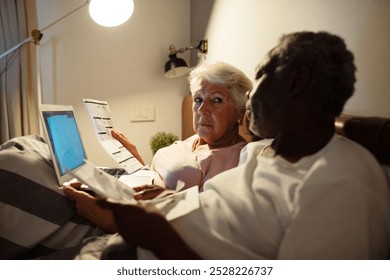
371	132
187	128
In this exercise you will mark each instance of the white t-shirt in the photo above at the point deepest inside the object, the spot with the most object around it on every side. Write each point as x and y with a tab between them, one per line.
330	205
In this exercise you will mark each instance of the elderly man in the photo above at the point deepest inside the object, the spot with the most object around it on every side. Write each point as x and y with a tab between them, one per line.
302	193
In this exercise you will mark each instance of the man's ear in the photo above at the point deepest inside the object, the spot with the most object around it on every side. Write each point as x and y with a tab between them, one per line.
300	80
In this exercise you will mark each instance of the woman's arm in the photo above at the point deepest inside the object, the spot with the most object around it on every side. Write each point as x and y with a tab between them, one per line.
128	145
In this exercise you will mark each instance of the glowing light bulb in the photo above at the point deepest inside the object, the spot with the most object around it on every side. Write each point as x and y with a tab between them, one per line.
111	13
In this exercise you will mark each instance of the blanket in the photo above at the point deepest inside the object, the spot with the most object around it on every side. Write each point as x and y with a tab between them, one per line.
36	218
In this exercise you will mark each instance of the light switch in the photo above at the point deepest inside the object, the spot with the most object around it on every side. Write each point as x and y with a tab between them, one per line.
142	114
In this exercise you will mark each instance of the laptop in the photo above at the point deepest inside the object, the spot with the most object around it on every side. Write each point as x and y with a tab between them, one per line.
64	141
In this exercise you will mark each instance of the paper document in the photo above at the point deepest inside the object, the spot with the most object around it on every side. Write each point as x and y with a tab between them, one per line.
138	178
172	206
100	115
103	184
175	205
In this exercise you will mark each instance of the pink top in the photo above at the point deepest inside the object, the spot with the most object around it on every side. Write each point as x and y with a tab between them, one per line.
178	162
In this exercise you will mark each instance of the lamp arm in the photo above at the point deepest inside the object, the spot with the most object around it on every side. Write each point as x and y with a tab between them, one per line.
36	35
66	15
202	47
28	40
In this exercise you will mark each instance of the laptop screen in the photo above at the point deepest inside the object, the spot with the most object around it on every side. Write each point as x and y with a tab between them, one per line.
65	140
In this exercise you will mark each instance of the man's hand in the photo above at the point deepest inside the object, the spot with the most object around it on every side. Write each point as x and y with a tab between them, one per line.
88	208
150	230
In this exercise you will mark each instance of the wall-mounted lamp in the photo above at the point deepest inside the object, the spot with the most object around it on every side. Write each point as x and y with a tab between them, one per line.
175	66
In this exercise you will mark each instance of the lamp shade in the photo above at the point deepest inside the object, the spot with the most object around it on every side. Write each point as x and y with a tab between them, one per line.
175	67
111	13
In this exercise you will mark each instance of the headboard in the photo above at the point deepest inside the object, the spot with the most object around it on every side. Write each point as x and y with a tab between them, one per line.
371	132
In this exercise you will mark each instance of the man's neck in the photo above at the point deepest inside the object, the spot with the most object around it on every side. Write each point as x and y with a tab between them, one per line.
303	141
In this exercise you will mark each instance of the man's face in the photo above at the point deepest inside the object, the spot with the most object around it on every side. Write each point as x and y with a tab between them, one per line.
268	97
215	113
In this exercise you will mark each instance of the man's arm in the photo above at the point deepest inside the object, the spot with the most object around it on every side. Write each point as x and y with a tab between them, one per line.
88	208
149	230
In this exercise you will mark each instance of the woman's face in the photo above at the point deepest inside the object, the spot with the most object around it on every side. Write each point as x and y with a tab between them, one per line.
215	114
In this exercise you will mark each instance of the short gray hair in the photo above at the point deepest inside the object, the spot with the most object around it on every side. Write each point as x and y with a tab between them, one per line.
223	74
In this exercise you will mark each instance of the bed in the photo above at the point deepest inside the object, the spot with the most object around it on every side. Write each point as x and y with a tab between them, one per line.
65	229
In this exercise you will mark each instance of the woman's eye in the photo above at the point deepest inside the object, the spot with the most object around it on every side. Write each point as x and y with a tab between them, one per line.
198	100
217	100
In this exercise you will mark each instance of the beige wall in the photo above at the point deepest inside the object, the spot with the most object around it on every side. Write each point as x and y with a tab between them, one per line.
241	32
123	65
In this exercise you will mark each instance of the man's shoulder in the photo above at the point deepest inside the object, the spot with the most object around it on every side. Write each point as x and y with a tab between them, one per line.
345	158
352	150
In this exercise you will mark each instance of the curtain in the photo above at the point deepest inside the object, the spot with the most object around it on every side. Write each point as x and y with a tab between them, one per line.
18	113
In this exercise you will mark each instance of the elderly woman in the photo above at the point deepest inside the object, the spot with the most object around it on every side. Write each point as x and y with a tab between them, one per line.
219	104
219	98
218	92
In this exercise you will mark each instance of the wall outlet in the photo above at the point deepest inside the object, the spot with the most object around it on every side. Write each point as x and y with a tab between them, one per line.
142	114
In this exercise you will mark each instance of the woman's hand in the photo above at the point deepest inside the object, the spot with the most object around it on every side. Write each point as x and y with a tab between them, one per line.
127	144
147	192
150	230
87	207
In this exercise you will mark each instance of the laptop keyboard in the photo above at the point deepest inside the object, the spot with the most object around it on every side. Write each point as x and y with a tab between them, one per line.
116	172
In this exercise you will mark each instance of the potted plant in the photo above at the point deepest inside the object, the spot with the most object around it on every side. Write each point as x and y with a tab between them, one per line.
162	139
